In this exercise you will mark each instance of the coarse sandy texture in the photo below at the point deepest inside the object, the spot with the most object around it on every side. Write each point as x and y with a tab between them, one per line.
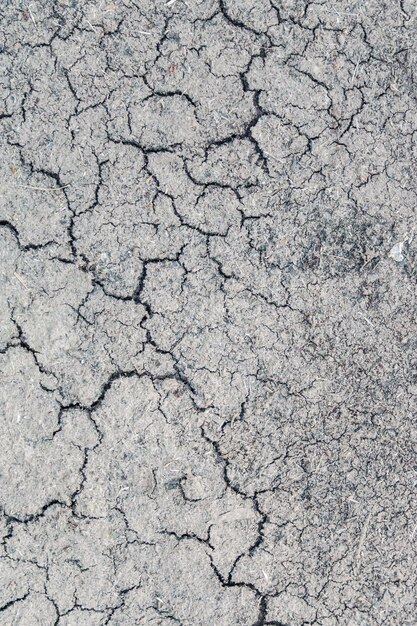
208	323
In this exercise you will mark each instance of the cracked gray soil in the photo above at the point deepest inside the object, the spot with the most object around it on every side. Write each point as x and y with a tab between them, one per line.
207	353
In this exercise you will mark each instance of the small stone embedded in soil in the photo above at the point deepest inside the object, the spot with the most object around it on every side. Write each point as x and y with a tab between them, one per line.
173	484
396	251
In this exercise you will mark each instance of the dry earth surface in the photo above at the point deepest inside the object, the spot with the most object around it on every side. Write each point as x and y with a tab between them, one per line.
208	323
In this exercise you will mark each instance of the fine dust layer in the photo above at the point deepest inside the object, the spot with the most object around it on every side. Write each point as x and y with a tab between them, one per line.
208	319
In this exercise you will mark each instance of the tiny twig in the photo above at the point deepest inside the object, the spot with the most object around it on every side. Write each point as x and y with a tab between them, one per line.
21	281
362	539
43	188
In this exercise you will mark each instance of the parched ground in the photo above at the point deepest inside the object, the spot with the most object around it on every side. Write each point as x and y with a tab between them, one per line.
208	318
